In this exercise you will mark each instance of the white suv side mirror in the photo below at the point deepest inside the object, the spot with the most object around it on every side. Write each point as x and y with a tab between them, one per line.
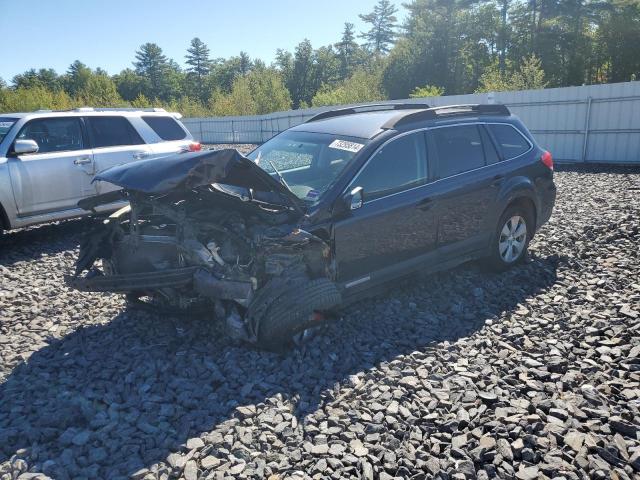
20	147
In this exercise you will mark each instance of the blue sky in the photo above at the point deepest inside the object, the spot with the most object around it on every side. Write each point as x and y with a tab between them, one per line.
54	33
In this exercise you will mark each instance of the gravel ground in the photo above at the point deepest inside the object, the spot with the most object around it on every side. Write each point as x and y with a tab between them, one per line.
534	373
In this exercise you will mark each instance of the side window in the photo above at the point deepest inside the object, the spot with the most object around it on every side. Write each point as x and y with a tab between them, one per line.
399	165
489	148
510	140
459	149
112	132
54	134
165	127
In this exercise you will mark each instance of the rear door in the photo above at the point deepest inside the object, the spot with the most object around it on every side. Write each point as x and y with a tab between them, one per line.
114	142
468	179
172	135
394	224
59	174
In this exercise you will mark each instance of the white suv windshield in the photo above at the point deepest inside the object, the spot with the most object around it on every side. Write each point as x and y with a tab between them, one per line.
5	125
308	162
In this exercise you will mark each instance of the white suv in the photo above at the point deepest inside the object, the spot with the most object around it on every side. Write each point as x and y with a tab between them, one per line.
48	159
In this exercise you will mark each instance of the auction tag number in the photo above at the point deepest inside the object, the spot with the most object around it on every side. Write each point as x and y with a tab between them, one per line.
345	145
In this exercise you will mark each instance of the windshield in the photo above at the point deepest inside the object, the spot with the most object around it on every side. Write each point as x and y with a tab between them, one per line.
5	125
308	162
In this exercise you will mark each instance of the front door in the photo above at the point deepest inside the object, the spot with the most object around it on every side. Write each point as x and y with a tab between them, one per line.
396	222
59	174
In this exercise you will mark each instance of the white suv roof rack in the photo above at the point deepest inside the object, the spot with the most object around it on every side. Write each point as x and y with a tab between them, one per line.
118	109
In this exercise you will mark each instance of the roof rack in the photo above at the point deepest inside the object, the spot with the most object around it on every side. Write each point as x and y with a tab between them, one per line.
372	107
448	110
118	109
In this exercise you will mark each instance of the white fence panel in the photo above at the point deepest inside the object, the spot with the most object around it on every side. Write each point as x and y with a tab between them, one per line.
594	123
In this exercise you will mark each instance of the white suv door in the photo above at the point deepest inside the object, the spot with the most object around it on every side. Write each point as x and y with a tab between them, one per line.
57	176
115	141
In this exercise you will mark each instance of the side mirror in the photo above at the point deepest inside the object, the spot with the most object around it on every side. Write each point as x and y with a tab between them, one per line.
21	147
355	198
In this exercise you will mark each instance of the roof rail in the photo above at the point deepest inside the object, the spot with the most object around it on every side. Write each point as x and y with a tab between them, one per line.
118	109
372	107
448	110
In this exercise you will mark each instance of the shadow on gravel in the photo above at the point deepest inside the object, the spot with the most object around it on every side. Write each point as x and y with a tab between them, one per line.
110	399
30	243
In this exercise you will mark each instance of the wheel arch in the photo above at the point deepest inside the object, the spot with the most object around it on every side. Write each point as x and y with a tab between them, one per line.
527	203
520	191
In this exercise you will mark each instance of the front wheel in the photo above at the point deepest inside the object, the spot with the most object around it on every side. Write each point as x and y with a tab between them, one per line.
291	317
511	239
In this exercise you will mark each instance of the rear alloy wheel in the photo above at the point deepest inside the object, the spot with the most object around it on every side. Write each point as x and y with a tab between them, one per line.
511	239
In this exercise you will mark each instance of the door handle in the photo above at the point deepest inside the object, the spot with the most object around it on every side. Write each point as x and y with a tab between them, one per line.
82	161
497	180
425	203
140	155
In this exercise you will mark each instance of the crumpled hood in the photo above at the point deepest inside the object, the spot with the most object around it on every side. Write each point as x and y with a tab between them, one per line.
191	170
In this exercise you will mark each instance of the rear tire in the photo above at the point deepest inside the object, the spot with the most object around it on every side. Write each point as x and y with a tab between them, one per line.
294	311
511	238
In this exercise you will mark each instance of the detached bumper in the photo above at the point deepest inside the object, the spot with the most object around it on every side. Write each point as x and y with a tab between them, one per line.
200	280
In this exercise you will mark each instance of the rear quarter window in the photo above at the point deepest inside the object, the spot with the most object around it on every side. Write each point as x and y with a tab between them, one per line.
510	141
165	127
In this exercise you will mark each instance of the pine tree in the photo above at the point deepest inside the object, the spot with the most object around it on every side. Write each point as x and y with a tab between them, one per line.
347	51
199	62
381	35
245	63
152	64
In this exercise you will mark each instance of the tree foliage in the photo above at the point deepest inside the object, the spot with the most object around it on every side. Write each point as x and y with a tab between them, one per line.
199	67
426	91
529	76
456	46
382	31
361	87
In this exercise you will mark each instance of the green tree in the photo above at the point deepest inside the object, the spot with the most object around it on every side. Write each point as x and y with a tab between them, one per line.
268	91
130	85
34	98
426	91
381	35
348	51
141	102
298	72
529	76
76	78
616	42
244	63
258	92
100	91
361	87
199	67
153	66
238	102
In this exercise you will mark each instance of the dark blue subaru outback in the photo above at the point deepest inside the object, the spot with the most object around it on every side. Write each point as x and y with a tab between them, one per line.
318	215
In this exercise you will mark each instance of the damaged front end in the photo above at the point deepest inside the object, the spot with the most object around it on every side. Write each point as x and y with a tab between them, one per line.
199	234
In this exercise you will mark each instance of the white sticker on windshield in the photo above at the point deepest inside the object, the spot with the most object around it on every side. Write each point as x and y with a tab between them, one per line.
348	146
5	124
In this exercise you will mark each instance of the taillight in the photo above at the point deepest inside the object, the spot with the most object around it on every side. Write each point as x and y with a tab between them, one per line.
195	147
547	159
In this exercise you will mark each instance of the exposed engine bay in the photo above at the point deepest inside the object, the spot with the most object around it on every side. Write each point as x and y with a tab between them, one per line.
204	245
